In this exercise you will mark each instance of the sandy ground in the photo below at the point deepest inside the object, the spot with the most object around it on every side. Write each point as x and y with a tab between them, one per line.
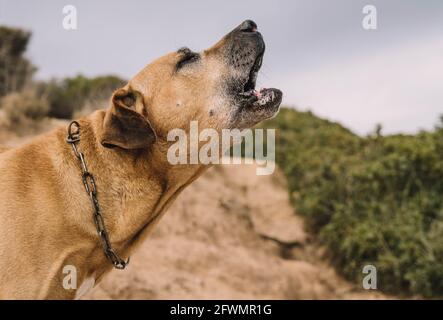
230	235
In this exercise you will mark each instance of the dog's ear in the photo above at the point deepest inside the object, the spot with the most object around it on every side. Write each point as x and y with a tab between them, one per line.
124	125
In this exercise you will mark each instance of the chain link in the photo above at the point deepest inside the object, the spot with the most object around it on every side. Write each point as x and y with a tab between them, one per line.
91	189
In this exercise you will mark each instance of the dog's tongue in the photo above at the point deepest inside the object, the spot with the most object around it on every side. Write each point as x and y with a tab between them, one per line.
258	93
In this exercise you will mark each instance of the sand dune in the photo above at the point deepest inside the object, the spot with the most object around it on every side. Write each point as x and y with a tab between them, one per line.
230	235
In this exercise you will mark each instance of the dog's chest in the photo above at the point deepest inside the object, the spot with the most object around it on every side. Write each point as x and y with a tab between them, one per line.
84	288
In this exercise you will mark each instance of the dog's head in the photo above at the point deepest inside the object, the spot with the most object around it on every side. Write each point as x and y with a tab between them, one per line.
215	87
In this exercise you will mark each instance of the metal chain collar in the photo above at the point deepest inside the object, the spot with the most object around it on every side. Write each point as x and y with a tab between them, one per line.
91	189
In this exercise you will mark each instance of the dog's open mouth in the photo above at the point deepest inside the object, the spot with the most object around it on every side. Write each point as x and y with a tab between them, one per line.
262	98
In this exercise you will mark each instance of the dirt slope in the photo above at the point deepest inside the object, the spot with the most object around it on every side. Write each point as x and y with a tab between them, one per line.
230	235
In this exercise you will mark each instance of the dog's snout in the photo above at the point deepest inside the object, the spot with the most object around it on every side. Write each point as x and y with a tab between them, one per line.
242	47
248	26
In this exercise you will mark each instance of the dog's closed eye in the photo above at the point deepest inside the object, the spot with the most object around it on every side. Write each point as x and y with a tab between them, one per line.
187	57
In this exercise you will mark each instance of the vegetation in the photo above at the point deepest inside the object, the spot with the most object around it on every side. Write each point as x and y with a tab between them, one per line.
22	99
372	200
15	70
23	108
69	96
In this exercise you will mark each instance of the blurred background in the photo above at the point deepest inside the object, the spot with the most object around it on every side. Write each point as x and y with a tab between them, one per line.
359	141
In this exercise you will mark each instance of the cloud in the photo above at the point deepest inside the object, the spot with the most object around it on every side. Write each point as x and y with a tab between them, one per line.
399	86
317	51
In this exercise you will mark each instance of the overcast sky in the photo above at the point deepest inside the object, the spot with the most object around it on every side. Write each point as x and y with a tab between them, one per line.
317	51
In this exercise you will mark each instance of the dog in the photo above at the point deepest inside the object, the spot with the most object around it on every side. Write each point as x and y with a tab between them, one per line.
47	227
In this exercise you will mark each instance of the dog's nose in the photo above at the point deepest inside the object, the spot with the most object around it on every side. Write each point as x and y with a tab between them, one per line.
248	26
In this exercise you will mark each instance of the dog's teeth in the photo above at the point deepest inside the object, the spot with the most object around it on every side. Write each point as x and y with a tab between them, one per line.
246	93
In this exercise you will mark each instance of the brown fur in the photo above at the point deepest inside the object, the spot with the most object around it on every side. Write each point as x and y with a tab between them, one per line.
45	214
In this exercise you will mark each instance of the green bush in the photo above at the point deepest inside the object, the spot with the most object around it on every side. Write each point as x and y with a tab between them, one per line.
64	97
15	70
372	200
70	95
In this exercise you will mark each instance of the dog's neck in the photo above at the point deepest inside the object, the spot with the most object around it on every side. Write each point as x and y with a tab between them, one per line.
134	187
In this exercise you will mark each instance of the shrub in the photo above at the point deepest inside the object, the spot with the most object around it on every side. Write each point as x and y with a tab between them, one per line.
20	108
372	200
15	70
70	95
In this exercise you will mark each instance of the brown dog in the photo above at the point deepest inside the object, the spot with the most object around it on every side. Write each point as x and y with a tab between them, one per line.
46	215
